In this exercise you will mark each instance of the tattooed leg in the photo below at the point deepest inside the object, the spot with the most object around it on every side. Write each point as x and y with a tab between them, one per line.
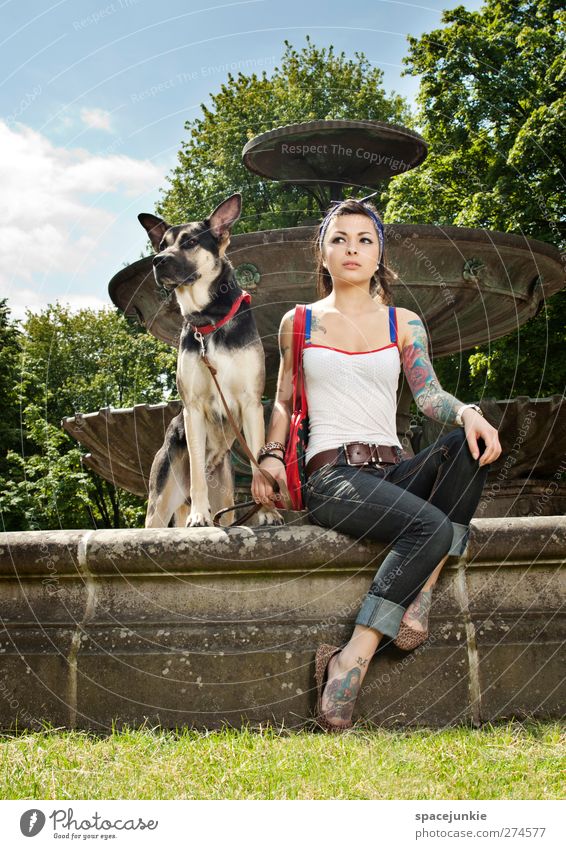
340	697
416	615
346	671
434	575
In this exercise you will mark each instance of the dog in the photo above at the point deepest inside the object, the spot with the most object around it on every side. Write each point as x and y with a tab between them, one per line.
191	476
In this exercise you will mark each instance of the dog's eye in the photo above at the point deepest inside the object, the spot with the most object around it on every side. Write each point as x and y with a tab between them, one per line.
189	243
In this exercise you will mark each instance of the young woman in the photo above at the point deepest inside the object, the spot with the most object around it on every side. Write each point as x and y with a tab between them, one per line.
356	342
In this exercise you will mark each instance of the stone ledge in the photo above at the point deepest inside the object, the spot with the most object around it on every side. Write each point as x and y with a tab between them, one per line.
241	549
210	626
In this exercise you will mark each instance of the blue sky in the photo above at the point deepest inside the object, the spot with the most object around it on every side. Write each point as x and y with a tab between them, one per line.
93	101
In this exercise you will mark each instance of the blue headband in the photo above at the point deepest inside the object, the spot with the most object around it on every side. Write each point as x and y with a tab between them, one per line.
378	225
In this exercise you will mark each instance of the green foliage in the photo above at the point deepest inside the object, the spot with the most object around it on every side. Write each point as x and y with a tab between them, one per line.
529	362
492	107
73	362
313	84
82	361
9	363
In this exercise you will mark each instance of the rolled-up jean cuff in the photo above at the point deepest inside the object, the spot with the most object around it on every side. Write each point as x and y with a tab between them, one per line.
460	534
381	614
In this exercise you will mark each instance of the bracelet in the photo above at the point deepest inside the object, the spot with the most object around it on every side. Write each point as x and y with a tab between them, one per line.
276	456
267	448
271	446
458	418
275	445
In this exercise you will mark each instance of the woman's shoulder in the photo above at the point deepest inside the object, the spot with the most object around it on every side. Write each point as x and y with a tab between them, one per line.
406	314
289	316
404	318
317	305
286	323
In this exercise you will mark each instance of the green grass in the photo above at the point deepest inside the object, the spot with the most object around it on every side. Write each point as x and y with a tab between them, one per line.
510	761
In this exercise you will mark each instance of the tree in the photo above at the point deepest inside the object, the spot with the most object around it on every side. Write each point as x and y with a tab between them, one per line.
10	353
76	362
312	84
82	361
492	108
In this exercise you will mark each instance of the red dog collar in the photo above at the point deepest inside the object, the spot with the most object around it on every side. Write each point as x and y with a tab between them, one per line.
208	328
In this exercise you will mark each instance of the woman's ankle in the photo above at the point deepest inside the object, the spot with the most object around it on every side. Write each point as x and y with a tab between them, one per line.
351	658
418	611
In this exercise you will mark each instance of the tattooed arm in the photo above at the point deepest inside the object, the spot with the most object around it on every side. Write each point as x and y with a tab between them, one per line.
429	395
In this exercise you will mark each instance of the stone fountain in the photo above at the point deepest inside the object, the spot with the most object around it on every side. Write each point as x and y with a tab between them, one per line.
205	626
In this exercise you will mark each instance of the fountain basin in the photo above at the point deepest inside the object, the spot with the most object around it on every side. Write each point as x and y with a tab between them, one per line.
469	286
334	153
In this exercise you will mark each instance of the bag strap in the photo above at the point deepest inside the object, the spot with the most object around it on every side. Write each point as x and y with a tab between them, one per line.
299	324
393	334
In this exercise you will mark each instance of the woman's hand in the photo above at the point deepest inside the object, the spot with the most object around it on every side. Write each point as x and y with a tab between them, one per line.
262	491
476	427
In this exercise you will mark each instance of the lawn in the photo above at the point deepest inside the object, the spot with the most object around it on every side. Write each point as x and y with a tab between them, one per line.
508	761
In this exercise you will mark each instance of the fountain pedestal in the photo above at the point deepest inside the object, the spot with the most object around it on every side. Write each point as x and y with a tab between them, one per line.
207	626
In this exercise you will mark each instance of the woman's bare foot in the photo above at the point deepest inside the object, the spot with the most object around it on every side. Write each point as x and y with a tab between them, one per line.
341	691
345	673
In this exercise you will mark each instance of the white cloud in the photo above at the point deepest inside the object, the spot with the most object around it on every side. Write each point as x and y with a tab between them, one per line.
98	119
29	299
52	228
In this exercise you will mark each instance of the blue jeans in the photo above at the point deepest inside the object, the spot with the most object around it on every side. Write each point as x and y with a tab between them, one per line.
422	506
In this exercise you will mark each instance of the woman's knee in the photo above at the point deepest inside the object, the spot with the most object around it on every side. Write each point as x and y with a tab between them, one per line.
438	531
457	441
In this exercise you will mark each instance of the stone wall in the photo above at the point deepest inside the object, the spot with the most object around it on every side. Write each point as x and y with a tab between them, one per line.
207	626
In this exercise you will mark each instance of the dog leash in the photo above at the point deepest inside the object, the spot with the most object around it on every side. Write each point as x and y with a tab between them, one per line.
269	478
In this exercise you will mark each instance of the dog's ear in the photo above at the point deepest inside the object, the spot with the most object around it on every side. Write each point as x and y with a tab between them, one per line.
156	228
224	216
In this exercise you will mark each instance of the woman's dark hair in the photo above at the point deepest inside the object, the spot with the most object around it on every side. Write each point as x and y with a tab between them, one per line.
382	281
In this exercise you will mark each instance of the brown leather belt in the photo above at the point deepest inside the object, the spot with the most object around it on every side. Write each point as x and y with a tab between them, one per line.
357	454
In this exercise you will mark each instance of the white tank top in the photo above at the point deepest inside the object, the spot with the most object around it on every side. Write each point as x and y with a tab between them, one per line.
351	396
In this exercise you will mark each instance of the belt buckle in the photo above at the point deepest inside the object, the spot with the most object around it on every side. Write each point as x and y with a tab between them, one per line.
356	465
374	449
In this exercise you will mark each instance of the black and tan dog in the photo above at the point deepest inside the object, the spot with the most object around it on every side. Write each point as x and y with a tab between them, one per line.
191	476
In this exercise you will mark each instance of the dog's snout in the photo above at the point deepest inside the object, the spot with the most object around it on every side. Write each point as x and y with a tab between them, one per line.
159	260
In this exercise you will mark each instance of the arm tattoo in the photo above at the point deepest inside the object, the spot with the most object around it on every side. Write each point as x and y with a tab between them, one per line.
427	391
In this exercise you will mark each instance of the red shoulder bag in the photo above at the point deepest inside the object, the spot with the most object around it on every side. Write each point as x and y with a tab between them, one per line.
299	428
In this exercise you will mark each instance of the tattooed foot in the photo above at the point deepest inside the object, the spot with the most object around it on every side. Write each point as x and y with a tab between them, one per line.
341	691
416	615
